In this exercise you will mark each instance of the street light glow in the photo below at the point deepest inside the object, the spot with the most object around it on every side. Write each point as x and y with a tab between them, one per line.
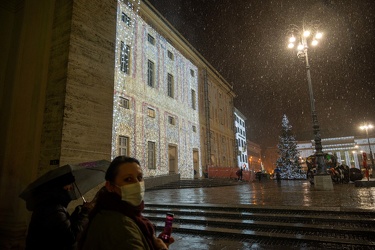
300	46
291	45
306	33
319	35
368	126
292	39
314	42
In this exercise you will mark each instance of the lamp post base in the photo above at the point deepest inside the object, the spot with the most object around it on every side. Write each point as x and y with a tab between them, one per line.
323	183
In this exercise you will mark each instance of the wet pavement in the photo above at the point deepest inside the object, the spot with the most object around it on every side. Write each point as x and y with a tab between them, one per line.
293	194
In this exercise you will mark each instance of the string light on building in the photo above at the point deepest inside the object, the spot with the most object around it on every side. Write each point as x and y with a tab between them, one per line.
137	42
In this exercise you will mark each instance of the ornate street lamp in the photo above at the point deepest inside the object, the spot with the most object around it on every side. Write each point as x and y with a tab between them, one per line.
304	38
366	127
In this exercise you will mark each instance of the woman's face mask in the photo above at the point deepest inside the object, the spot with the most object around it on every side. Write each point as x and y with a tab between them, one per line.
133	193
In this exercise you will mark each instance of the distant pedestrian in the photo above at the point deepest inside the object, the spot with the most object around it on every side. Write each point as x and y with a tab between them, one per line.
259	175
277	172
239	174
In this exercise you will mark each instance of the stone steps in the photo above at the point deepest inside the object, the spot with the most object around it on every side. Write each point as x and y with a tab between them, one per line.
198	183
284	225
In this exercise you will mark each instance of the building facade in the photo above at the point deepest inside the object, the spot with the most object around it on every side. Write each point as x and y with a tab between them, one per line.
270	156
216	120
348	150
72	92
241	142
214	98
155	111
254	153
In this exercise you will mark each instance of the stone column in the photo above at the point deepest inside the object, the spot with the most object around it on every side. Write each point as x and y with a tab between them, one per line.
26	28
356	162
338	154
56	89
347	158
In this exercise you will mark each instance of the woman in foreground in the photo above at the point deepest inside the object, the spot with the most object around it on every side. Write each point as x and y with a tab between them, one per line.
116	221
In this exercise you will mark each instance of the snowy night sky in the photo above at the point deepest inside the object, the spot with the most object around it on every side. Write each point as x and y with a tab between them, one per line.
246	41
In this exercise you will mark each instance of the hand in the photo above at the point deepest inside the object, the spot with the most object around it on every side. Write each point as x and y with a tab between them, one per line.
91	204
88	205
160	245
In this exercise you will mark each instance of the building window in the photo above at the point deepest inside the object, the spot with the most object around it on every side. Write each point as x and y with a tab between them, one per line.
170	55
221	116
151	39
151	155
171	120
124	103
124	58
126	19
194	128
193	99
123	145
192	73
150	73
170	84
151	112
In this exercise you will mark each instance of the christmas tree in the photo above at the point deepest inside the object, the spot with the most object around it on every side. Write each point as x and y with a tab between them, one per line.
288	160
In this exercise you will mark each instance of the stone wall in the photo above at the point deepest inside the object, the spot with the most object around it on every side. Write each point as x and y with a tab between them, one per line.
56	87
87	126
151	182
26	34
56	95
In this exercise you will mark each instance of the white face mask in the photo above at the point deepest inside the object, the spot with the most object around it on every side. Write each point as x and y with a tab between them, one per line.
133	193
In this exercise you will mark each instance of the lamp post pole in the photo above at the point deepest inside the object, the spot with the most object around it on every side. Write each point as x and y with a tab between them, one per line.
366	127
318	141
325	183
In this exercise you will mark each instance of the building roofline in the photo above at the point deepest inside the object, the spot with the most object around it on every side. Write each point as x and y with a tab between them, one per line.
178	41
240	114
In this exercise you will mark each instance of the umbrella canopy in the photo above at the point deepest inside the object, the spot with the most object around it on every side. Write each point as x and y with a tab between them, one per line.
87	175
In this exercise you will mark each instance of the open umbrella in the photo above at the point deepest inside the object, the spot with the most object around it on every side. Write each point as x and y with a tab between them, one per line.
87	175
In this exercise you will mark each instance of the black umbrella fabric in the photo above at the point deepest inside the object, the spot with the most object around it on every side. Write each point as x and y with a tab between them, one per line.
86	176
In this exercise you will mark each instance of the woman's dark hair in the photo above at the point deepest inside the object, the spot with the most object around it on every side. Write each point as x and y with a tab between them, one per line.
112	170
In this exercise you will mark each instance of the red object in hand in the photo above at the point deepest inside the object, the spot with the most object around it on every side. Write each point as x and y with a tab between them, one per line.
166	234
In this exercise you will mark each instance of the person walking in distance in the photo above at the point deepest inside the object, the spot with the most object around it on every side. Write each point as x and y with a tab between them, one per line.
278	173
240	174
